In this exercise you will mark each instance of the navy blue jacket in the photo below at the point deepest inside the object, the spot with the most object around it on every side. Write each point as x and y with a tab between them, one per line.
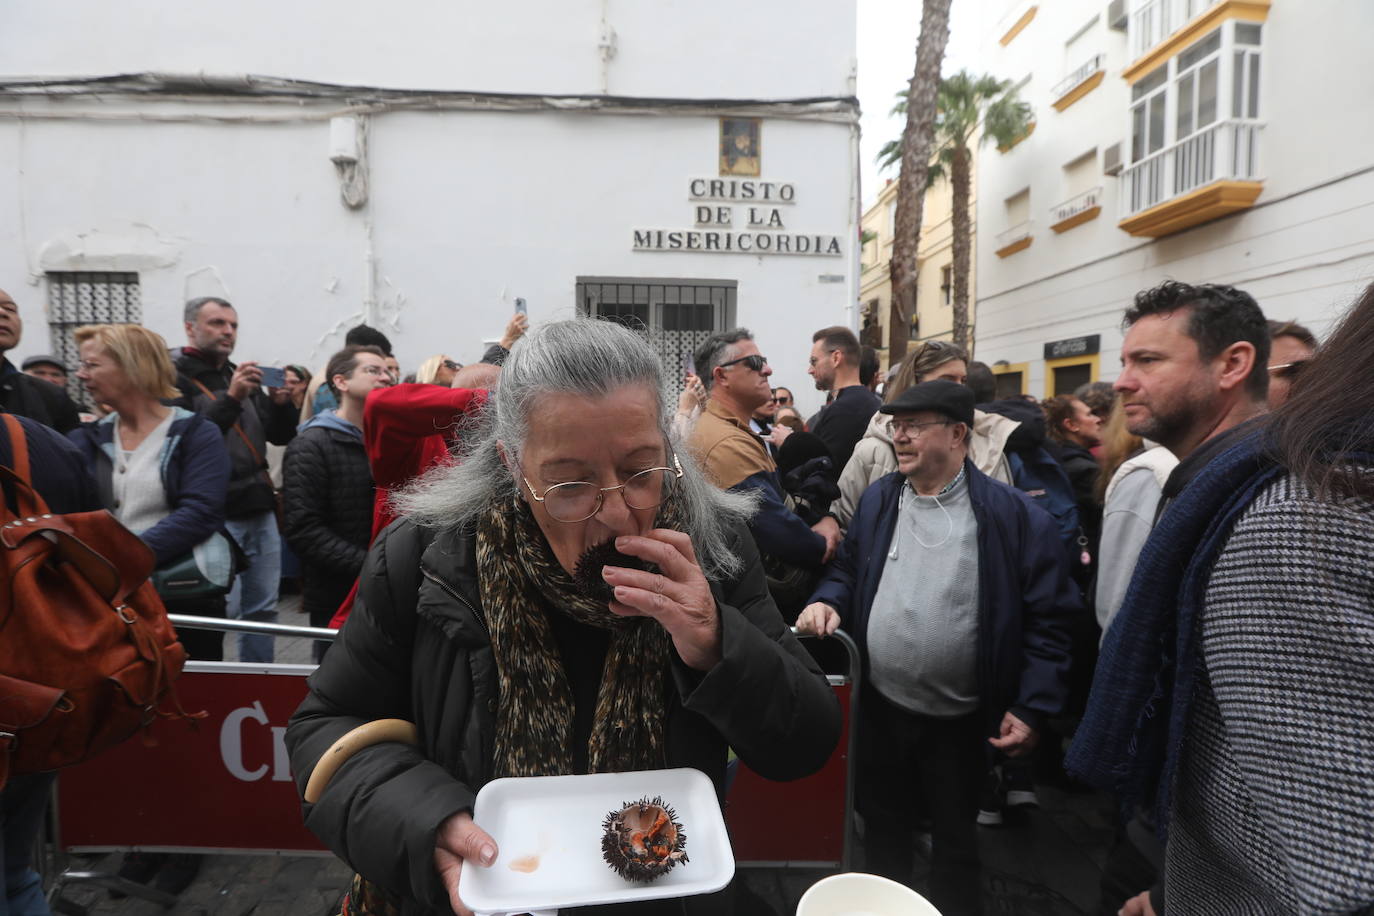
195	476
57	470
1025	596
780	533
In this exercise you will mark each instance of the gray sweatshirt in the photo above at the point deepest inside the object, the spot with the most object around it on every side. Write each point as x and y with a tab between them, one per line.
1127	520
923	627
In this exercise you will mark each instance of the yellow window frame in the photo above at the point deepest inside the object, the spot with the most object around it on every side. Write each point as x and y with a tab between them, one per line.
1023	368
1093	360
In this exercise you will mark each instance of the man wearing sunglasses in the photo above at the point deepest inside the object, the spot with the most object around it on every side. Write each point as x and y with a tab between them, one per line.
835	357
735	458
1290	347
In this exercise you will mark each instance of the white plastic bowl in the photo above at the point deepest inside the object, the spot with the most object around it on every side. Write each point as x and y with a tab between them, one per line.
857	894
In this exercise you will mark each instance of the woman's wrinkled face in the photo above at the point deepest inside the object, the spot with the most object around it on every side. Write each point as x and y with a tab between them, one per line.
603	441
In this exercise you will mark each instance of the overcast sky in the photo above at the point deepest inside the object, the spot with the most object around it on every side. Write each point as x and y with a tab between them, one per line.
888	30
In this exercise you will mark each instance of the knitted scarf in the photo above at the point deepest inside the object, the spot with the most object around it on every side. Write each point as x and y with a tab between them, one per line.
1131	735
521	582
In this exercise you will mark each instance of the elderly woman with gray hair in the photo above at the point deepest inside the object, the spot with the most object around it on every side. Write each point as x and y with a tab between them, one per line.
571	597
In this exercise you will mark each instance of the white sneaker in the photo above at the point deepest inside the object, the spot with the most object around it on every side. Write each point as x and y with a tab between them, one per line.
989	817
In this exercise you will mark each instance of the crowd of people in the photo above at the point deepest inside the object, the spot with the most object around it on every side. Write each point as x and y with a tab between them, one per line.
563	559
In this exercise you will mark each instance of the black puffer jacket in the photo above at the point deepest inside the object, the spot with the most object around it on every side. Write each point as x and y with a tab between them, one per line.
1082	469
327	509
416	647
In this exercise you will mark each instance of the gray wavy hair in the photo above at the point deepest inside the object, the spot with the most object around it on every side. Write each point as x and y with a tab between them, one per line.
587	357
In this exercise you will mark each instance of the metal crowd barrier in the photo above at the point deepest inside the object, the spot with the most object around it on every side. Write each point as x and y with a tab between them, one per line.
80	782
806	823
249	626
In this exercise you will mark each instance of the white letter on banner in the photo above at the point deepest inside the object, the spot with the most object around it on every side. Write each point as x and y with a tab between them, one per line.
231	741
281	761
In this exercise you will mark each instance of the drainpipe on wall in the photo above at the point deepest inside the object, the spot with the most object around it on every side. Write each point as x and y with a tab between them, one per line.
370	315
852	311
606	46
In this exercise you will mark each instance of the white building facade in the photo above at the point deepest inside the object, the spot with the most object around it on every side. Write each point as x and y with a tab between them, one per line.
1222	142
679	165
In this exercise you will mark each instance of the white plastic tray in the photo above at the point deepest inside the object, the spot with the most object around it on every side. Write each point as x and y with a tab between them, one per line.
554	823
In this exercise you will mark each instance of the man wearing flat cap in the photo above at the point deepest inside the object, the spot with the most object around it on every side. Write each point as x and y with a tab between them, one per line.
48	368
957	591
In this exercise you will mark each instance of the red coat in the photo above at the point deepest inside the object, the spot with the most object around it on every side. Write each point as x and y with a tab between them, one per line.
408	429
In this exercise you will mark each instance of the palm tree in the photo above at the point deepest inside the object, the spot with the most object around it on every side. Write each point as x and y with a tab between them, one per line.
965	103
918	138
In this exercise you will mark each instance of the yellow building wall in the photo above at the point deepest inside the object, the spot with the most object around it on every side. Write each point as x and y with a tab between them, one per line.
934	318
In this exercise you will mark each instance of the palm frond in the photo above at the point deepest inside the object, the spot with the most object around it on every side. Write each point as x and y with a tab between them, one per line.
964	103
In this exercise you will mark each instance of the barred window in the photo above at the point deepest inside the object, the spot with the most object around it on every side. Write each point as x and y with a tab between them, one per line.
76	298
675	315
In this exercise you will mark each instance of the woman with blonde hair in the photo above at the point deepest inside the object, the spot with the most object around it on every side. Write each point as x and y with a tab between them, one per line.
437	370
162	471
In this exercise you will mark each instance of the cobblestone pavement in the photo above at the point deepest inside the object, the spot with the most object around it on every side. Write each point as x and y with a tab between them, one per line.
1045	862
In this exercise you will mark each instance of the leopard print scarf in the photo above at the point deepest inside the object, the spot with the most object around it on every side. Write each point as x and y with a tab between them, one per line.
520	578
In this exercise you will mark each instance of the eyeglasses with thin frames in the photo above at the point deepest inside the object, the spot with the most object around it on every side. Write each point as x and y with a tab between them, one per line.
912	429
1288	370
579	500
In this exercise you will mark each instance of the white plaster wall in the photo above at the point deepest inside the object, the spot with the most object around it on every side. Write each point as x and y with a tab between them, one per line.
468	212
1304	251
529	236
688	48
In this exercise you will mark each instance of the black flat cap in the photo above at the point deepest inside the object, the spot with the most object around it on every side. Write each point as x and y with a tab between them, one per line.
43	359
940	395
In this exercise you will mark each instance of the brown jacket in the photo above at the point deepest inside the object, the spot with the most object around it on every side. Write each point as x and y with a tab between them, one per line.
728	450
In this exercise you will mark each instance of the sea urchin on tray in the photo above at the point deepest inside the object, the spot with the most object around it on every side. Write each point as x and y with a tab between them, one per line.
641	840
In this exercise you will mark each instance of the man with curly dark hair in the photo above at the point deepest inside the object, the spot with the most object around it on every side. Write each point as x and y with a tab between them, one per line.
1194	378
1194	363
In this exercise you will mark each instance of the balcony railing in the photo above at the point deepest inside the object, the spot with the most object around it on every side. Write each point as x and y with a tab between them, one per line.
1076	205
1076	78
1228	150
1017	233
1152	21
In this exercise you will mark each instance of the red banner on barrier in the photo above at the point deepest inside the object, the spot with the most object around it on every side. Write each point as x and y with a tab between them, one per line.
222	784
799	821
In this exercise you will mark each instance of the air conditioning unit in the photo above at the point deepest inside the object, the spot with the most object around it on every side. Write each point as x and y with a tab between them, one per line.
1111	160
1117	14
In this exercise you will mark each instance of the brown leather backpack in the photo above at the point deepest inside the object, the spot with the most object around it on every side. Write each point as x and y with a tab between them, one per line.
86	651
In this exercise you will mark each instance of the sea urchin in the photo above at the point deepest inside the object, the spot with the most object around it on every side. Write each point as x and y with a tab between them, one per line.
642	840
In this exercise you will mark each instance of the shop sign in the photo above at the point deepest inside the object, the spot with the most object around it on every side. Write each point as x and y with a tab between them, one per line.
1074	346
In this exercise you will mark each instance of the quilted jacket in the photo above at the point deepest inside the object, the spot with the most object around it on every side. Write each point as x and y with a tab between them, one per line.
327	509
